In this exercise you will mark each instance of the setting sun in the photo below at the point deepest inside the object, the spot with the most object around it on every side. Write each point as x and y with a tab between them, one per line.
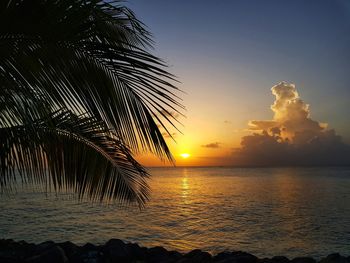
185	155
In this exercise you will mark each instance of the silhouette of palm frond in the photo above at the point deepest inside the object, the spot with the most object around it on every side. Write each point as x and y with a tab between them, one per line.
80	92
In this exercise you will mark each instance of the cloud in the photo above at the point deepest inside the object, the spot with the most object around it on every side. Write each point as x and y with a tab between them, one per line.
291	137
213	145
227	122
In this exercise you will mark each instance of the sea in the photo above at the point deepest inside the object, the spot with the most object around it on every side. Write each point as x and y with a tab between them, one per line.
263	211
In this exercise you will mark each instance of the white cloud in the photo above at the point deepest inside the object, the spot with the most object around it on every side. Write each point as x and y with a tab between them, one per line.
291	137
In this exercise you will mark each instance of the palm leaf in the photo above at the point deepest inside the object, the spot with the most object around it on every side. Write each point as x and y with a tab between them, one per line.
82	73
90	58
73	153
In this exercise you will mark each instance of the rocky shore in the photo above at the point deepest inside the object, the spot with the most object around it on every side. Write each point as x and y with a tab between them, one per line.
116	250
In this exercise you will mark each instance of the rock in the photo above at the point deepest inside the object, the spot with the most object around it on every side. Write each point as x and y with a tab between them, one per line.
136	251
235	257
11	251
89	253
44	246
277	259
53	254
280	259
10	260
5	242
116	251
198	256
221	256
303	260
265	260
89	246
175	255
93	256
70	249
158	254
243	257
335	258
183	260
157	250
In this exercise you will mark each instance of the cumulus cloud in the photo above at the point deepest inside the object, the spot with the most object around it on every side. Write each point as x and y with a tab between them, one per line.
213	145
291	137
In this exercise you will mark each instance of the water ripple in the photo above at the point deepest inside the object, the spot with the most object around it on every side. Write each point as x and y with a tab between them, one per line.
267	212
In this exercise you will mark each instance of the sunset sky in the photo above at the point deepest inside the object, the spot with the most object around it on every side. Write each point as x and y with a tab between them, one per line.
229	54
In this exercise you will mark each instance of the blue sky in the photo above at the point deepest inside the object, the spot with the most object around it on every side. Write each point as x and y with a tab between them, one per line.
228	54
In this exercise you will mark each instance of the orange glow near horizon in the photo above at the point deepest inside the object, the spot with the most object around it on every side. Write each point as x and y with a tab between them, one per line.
189	148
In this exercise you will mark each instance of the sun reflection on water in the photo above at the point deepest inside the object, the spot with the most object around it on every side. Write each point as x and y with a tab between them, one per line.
185	187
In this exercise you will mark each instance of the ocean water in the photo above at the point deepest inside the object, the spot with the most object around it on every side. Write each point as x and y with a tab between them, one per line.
267	212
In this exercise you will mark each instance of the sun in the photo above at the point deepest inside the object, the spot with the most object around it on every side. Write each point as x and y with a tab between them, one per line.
185	155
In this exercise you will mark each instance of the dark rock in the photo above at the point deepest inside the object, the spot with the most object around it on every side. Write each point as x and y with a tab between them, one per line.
175	255
44	246
277	259
221	256
89	246
116	251
70	249
5	242
11	251
280	259
10	260
243	257
198	256
115	242
303	260
335	258
236	257
92	256
183	260
89	253
264	260
157	250
53	254
136	251
158	254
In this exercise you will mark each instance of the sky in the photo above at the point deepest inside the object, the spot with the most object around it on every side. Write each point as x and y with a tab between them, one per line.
228	56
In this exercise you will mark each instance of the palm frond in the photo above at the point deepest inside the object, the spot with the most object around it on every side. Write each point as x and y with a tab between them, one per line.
105	76
90	59
74	153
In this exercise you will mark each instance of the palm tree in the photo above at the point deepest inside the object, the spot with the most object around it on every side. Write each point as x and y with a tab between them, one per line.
80	94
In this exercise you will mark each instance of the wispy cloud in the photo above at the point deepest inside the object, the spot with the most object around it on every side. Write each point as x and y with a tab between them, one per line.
212	145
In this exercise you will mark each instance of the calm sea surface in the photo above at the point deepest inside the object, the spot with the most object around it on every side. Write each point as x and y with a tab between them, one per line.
280	211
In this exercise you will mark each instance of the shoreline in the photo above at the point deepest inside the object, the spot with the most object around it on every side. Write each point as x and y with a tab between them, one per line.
115	250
